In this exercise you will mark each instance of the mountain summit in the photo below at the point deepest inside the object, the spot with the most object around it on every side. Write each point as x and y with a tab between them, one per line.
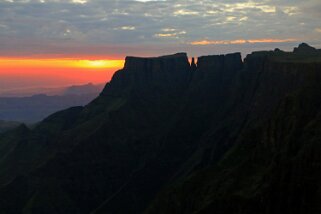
304	48
221	135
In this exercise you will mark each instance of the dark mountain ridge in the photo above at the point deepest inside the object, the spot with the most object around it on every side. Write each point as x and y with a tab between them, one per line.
165	136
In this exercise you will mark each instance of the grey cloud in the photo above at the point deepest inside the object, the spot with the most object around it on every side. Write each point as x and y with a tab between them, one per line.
100	23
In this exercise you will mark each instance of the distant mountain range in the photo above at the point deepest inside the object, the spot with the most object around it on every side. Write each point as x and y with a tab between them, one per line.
220	135
53	91
83	89
30	109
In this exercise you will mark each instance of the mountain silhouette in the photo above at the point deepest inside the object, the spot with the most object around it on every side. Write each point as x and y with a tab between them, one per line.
223	135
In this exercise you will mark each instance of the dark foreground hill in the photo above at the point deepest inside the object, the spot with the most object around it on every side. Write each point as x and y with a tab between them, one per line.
164	136
7	125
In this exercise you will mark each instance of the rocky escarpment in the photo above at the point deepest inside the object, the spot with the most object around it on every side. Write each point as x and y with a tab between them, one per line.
273	165
167	136
150	75
220	63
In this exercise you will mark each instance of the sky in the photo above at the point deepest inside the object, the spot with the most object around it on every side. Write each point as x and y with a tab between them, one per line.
61	42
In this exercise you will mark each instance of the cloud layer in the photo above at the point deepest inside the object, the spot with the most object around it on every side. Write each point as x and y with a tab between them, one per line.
119	27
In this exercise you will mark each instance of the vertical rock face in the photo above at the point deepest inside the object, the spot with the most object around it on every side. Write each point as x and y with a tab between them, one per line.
275	145
218	70
168	73
193	65
271	77
220	63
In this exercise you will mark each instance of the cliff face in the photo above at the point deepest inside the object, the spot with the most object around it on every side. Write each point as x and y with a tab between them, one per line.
165	136
273	165
168	74
220	63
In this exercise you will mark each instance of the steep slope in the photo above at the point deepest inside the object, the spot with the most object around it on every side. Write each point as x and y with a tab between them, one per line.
88	155
165	136
274	165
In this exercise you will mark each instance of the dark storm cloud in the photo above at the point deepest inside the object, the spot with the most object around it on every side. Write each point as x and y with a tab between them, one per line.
122	26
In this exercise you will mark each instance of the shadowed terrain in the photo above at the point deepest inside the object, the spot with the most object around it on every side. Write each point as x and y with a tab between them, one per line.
30	106
221	135
7	125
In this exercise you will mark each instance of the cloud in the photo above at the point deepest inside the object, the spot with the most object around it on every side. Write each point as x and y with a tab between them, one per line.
241	41
150	24
170	32
183	12
74	1
126	28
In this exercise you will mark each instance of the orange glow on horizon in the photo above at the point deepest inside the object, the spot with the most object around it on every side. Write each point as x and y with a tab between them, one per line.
60	63
19	72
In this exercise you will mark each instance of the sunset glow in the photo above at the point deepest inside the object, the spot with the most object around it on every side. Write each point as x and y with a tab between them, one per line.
20	72
100	63
60	63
